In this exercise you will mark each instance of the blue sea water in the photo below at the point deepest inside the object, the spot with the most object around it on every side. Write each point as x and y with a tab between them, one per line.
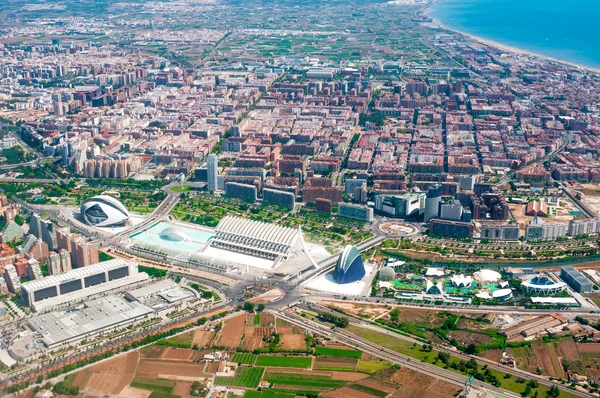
567	30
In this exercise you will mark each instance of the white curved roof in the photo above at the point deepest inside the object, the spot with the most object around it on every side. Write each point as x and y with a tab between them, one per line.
175	234
114	210
461	280
502	293
347	257
487	276
258	230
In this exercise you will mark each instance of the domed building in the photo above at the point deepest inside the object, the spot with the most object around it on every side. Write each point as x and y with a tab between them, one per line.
174	234
387	274
349	267
104	211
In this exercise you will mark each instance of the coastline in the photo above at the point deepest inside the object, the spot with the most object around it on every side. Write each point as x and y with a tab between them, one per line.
504	47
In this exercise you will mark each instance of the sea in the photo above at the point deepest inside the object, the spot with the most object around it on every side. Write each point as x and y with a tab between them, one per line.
567	30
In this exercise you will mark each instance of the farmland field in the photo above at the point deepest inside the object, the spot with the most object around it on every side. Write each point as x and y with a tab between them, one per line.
337	352
231	334
243	358
303	380
263	394
369	390
245	377
154	385
289	362
372	367
335	363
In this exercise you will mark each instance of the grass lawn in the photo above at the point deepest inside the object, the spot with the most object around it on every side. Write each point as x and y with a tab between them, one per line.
287	362
244	358
184	188
406	348
372	367
337	352
161	386
245	377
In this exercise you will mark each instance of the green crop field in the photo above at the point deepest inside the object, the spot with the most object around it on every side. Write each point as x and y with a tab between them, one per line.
372	367
257	320
336	352
288	362
266	394
244	358
245	377
303	380
161	387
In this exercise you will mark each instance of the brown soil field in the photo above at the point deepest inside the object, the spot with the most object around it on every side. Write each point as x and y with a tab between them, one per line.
152	352
547	359
231	334
335	362
390	388
149	368
211	367
182	389
568	350
253	342
347	392
266	319
359	310
202	338
330	344
178	354
292	342
285	329
412	383
589	350
263	331
109	377
132	392
493	355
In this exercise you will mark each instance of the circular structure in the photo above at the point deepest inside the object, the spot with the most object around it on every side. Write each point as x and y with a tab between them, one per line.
397	228
174	234
104	211
387	274
487	276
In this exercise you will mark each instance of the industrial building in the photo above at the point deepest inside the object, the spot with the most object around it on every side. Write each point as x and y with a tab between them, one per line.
578	282
80	283
532	327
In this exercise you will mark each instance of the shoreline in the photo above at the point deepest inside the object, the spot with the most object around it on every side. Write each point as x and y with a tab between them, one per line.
504	47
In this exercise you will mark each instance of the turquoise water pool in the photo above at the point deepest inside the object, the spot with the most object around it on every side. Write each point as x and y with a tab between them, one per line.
197	238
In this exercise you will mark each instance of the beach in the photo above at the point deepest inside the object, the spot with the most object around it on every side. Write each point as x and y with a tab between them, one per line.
501	46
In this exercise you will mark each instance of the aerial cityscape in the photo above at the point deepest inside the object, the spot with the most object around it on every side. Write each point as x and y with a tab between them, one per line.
294	198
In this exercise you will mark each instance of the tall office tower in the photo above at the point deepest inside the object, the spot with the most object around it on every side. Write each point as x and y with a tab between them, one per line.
213	172
432	202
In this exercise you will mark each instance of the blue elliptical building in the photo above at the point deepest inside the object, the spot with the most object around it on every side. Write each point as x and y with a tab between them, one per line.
349	267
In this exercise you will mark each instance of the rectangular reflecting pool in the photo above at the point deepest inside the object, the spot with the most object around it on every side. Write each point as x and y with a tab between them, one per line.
174	237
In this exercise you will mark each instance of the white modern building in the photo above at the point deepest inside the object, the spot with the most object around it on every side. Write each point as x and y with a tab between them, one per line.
104	211
256	238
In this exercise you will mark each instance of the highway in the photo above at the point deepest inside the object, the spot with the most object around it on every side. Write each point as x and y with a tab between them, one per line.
353	340
386	354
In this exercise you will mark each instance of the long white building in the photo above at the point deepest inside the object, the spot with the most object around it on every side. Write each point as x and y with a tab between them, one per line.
256	238
80	283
